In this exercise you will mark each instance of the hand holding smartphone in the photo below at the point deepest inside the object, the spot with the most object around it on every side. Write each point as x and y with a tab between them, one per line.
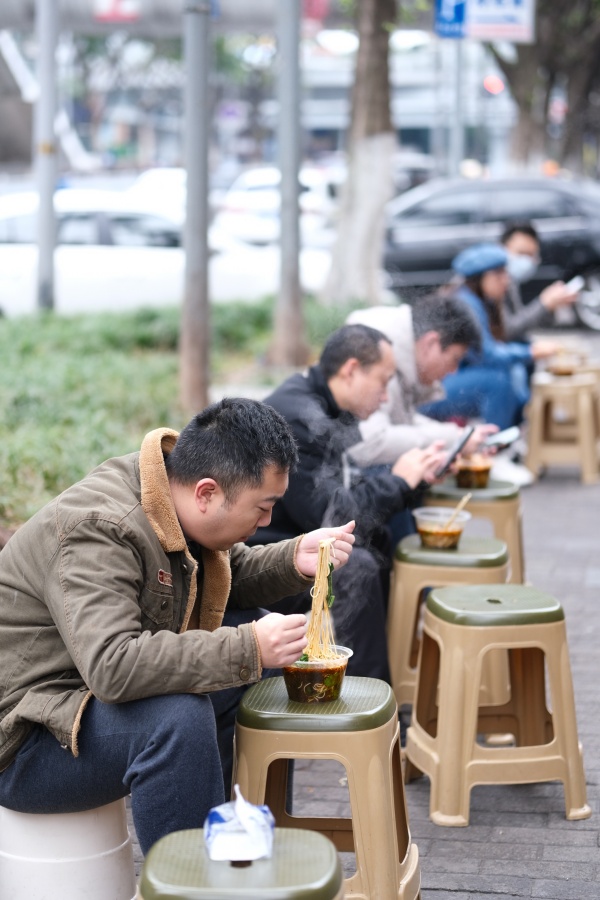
575	284
455	450
502	439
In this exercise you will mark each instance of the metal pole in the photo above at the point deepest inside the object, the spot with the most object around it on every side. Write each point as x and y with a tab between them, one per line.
289	347
195	319
457	136
45	147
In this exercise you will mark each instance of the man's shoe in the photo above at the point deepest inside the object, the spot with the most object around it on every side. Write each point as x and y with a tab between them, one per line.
503	469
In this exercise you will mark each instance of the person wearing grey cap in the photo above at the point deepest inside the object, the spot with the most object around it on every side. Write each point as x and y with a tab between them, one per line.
492	383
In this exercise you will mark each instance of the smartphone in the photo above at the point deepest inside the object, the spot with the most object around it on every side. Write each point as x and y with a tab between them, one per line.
454	451
502	438
575	284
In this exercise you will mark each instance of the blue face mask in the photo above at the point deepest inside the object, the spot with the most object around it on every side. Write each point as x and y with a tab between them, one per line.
521	267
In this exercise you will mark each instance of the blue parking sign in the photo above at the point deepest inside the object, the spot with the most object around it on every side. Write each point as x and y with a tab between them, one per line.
450	18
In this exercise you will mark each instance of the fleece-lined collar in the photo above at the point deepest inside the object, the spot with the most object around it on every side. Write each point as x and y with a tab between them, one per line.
158	505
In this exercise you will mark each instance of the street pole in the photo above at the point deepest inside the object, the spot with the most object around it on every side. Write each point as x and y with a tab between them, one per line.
45	161
457	135
195	316
289	347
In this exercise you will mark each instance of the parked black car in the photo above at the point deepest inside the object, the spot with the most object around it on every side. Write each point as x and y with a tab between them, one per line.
429	225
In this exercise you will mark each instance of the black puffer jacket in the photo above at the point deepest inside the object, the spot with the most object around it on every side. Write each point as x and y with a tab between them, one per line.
326	488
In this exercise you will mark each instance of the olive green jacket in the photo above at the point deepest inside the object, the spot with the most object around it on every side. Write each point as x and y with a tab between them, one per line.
98	598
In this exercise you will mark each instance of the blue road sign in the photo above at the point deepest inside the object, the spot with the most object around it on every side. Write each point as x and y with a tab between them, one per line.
450	18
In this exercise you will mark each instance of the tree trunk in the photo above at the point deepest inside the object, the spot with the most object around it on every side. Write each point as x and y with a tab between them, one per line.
355	263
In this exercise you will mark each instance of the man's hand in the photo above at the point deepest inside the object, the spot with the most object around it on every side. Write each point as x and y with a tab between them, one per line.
477	438
557	294
544	348
341	548
281	639
418	464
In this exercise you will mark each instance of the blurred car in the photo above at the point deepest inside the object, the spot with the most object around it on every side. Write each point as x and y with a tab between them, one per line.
113	256
428	225
250	209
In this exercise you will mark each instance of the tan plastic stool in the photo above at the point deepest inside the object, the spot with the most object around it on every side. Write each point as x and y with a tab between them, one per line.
500	504
575	442
66	856
303	865
461	625
475	561
361	731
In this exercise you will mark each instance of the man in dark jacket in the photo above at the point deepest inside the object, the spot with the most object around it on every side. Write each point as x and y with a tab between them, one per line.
116	673
323	408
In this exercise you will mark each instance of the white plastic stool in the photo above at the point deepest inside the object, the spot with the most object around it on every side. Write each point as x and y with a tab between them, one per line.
67	856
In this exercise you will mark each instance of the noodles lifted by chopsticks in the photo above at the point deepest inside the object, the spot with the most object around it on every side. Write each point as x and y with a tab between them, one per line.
320	639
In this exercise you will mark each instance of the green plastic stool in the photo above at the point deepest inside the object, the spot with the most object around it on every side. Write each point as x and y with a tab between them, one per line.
361	731
461	626
304	866
416	568
500	504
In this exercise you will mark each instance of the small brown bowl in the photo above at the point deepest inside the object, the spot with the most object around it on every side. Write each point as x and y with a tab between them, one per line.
430	522
473	473
319	680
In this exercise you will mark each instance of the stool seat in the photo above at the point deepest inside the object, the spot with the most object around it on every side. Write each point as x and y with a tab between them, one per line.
66	856
472	552
364	703
495	605
304	866
461	627
495	490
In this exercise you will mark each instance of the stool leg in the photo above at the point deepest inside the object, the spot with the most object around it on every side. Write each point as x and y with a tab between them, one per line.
565	728
587	438
457	719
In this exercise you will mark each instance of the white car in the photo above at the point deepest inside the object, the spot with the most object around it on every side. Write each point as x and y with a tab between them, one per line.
113	256
250	210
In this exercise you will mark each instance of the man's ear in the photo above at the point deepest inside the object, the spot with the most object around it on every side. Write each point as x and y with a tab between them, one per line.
348	368
204	493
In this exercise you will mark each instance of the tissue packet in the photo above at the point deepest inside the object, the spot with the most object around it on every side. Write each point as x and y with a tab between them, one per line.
238	830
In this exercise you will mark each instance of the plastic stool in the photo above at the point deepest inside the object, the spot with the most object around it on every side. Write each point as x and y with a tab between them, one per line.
67	856
475	561
574	443
360	730
303	865
499	503
461	625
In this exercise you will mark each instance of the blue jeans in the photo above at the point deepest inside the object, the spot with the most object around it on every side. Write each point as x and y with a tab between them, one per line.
494	395
173	754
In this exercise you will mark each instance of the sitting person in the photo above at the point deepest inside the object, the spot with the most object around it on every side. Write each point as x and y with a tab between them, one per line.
521	242
117	674
323	408
429	340
491	384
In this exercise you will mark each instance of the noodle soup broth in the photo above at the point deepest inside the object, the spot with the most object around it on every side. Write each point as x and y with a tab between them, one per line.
318	680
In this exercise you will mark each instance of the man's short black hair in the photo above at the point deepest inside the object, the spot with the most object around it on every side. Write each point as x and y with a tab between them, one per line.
523	227
450	317
232	441
359	342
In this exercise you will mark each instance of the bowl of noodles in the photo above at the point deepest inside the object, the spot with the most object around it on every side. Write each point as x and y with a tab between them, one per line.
317	676
317	680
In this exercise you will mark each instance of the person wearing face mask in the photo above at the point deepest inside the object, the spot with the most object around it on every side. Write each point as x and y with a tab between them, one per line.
522	244
492	384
